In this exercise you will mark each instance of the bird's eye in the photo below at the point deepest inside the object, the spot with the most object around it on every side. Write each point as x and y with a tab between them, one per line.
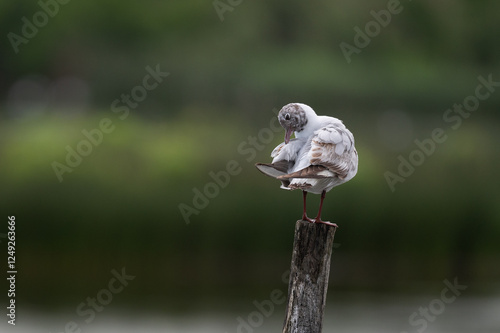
287	116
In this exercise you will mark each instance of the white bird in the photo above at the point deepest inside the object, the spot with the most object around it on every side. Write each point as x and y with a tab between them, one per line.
321	156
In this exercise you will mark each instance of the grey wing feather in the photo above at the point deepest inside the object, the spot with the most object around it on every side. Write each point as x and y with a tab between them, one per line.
274	169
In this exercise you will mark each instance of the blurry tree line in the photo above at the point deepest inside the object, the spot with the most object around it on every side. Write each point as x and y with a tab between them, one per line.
248	56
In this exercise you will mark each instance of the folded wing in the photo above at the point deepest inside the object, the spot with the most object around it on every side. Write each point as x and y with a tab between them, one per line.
331	154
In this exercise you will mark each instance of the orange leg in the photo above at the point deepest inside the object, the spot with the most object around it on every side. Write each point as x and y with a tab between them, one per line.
318	218
304	214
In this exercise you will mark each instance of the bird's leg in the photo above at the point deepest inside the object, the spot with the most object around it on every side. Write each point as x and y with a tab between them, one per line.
304	214
318	218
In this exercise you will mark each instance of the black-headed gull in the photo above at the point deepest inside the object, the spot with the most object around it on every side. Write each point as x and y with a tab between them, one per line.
321	156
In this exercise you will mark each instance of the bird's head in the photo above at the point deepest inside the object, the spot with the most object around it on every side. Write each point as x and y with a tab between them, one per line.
292	118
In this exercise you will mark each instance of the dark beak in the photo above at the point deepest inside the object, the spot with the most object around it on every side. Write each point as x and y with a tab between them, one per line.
288	134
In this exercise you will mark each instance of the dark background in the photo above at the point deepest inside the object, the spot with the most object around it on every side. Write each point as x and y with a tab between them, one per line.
120	206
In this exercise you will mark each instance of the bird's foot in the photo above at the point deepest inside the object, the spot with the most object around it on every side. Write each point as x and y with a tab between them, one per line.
305	218
326	222
316	220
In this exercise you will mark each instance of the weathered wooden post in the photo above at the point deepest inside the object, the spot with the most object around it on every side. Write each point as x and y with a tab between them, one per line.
309	272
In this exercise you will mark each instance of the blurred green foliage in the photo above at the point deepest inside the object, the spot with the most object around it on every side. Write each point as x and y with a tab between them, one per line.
120	206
